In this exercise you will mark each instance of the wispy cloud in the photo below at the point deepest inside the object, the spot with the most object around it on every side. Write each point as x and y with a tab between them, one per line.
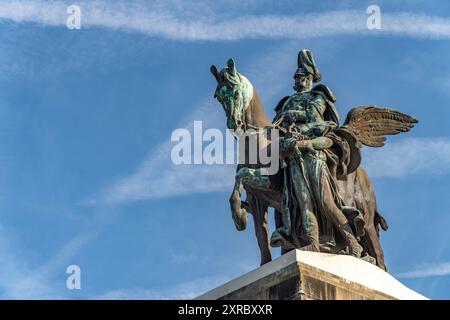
173	181
426	271
183	291
17	279
158	177
408	157
21	280
164	20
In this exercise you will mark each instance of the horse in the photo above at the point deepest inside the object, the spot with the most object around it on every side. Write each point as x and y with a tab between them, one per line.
244	111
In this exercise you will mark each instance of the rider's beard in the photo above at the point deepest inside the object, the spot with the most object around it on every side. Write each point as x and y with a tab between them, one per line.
298	87
302	85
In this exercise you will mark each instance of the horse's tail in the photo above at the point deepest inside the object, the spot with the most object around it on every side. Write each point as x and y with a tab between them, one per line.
379	220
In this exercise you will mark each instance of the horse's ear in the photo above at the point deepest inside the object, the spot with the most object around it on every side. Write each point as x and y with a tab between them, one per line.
214	72
231	67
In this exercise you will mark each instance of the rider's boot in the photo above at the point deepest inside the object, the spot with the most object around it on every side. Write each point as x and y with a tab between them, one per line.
354	247
311	233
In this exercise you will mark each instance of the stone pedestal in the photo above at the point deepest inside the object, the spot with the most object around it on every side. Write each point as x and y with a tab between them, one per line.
303	275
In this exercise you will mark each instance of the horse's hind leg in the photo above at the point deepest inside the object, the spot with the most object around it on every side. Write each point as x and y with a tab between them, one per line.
245	177
365	201
279	224
260	220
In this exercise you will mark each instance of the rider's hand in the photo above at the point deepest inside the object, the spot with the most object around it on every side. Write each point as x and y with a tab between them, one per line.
288	142
305	145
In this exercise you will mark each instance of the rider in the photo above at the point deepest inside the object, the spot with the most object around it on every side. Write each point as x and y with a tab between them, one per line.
312	209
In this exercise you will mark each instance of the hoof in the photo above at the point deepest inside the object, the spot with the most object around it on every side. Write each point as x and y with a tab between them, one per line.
369	259
355	249
278	240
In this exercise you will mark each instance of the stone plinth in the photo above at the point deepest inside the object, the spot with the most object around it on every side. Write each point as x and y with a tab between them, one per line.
306	275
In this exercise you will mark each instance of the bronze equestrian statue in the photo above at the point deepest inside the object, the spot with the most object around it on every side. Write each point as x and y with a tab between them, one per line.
323	199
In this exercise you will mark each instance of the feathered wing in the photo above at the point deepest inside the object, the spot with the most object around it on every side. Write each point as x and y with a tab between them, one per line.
370	124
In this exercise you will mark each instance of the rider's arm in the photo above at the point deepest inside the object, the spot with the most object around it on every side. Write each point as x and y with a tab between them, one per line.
321	143
318	143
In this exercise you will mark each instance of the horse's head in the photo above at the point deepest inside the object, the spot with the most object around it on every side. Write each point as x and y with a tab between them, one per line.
234	92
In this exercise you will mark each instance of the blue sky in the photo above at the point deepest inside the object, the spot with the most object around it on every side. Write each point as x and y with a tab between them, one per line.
86	117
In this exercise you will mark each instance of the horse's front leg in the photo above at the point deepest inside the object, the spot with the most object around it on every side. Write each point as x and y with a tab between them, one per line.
250	179
258	207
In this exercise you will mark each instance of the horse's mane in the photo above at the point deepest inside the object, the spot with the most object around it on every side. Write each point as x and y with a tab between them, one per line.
255	113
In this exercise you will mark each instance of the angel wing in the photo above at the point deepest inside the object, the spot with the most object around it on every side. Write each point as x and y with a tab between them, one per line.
370	124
